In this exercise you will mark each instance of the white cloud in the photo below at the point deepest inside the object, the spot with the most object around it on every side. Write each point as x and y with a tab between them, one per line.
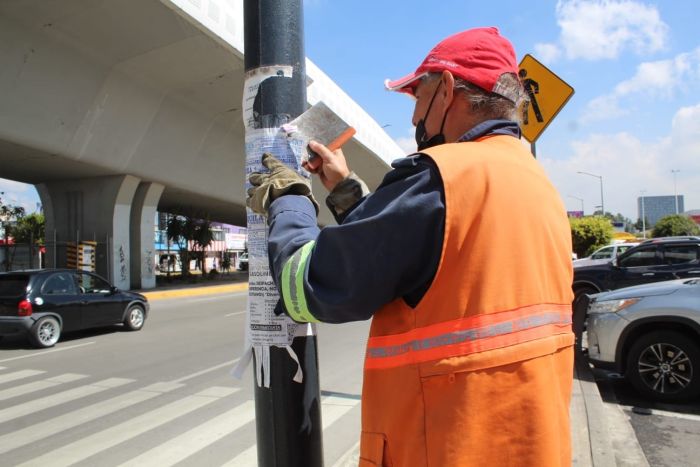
659	78
408	143
603	29
629	165
19	194
547	53
602	108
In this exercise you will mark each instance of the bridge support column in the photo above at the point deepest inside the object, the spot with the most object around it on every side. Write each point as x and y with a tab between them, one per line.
91	209
142	235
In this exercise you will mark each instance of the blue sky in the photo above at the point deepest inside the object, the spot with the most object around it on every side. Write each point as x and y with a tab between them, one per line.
635	67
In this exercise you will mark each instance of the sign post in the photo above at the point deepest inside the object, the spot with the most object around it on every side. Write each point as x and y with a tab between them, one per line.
547	95
287	393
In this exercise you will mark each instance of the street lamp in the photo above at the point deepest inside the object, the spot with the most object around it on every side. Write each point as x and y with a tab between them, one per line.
580	199
644	222
675	192
599	177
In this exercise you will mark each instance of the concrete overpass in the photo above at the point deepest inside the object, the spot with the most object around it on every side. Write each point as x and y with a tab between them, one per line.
114	109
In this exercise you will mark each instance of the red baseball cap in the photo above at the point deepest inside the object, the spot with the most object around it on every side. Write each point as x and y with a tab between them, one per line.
479	56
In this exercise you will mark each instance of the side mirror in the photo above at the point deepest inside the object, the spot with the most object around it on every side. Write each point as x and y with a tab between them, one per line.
113	290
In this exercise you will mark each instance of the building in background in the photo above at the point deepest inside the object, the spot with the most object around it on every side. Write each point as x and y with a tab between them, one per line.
654	208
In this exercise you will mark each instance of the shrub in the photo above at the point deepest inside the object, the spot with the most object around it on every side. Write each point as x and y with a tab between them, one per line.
675	225
590	233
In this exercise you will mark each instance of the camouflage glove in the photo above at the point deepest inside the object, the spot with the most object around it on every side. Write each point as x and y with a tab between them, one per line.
279	181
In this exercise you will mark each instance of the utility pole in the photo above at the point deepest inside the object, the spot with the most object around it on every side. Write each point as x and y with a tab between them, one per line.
287	413
675	191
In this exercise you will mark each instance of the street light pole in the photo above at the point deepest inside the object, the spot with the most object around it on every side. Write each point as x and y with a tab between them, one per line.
675	192
600	178
644	222
580	199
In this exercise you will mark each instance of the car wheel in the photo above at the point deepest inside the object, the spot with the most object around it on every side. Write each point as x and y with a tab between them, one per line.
664	365
45	332
135	317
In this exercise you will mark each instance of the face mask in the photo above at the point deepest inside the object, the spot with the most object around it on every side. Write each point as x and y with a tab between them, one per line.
421	133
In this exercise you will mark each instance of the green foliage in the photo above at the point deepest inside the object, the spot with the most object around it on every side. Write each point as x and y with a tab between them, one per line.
590	233
675	225
30	228
188	229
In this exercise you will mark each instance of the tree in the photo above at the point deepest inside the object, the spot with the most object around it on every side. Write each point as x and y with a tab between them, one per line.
9	215
590	233
203	237
187	229
675	225
30	228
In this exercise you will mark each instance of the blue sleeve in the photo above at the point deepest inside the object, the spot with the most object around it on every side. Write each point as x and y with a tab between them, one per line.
387	247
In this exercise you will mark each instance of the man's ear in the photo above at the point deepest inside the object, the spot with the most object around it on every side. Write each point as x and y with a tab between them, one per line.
448	87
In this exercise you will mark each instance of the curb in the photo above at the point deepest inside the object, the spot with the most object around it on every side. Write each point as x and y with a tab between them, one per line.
611	438
195	291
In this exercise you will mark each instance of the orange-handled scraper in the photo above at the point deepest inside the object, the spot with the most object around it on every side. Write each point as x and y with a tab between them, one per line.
319	123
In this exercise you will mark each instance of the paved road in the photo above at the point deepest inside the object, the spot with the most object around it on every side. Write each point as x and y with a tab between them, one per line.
667	433
161	396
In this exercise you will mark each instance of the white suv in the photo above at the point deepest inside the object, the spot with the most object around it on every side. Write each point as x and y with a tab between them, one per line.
604	254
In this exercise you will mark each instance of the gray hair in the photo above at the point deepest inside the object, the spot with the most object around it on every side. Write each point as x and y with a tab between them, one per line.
492	105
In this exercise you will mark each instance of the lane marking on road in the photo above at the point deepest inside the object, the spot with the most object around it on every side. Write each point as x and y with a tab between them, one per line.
231	289
39	385
38	354
33	433
206	370
73	453
6	378
235	313
59	398
196	439
333	408
666	413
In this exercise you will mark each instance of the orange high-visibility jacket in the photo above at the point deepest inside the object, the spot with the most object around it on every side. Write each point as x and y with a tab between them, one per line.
480	372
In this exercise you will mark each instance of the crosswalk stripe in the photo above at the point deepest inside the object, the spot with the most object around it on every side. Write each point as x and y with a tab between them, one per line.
75	452
64	422
39	385
19	375
333	408
60	398
186	444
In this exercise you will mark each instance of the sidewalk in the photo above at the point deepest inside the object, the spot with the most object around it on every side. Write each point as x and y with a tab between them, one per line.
601	434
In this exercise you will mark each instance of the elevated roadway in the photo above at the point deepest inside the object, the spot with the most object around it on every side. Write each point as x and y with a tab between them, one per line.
115	109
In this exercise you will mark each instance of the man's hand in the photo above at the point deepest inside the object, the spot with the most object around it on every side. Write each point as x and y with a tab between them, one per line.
279	181
330	166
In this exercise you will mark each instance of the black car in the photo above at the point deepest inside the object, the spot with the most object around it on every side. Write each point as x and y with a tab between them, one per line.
44	303
654	260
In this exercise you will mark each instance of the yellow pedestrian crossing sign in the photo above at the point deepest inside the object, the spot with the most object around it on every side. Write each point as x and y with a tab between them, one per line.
547	94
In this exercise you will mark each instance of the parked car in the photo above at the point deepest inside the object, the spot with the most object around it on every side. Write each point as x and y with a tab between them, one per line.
604	254
243	262
650	334
45	303
654	260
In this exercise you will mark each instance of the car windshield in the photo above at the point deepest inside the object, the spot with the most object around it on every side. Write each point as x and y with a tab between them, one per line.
13	285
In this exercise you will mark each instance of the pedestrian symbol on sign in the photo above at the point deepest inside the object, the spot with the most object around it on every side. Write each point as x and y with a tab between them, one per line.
547	94
531	88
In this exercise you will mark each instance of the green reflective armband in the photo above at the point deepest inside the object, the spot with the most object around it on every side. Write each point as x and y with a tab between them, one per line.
293	285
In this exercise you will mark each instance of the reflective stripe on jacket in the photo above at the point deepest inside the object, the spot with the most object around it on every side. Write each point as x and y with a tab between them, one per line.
480	371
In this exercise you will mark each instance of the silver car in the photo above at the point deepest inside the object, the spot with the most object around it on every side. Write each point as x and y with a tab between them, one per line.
650	334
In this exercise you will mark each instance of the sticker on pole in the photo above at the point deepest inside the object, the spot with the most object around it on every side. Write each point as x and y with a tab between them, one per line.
547	94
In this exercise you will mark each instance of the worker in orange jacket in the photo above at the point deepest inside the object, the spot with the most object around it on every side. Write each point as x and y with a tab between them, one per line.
462	259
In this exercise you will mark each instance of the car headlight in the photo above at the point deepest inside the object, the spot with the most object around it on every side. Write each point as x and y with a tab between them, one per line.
611	306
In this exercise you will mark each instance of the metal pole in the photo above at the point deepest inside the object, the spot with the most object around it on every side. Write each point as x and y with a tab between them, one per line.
602	203
533	149
644	222
675	191
288	414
